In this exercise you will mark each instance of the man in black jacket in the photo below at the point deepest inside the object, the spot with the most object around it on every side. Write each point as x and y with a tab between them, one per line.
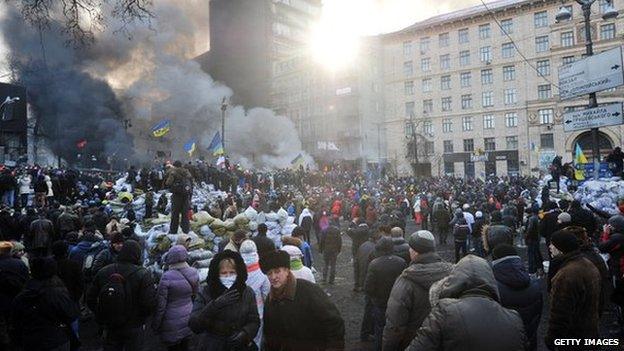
264	244
382	272
359	235
180	182
13	276
69	271
548	225
141	294
583	218
401	248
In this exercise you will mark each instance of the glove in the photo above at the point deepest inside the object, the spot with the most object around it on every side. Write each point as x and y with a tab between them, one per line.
237	340
226	299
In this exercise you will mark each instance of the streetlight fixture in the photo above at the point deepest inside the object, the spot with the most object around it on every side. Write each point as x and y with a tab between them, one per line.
563	15
9	100
610	12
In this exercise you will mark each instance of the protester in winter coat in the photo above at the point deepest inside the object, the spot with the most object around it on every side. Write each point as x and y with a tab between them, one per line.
306	220
263	243
457	322
39	238
109	254
175	294
13	277
359	234
496	233
401	248
296	265
408	304
332	245
43	312
225	312
24	182
180	182
69	271
88	245
461	231
298	315
256	280
532	239
67	222
477	233
124	322
441	218
517	290
305	248
548	225
613	244
583	218
575	293
365	255
382	273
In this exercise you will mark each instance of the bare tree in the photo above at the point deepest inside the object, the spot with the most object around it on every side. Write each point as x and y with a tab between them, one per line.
82	18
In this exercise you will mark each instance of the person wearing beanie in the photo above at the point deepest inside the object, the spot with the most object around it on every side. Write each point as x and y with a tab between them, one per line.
401	248
359	234
124	324
263	243
225	313
549	223
296	264
175	294
496	233
408	304
14	275
256	280
477	233
69	271
44	292
574	291
382	273
305	247
461	232
564	219
109	254
298	315
517	290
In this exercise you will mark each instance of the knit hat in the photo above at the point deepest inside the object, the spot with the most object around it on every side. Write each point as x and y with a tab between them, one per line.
478	214
42	268
275	259
465	207
503	250
617	222
422	241
564	217
131	253
293	251
564	241
117	238
247	247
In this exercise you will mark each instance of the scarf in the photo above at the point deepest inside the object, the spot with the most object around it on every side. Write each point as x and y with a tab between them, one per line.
285	292
296	265
253	267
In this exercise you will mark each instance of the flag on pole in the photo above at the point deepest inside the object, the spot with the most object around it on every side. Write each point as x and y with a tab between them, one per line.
216	145
161	128
81	143
189	147
579	160
297	161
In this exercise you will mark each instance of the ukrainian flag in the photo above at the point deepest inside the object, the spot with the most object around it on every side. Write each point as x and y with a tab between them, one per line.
190	146
161	128
216	145
579	160
297	161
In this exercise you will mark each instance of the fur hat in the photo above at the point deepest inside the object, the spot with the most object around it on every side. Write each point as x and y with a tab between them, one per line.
564	241
275	259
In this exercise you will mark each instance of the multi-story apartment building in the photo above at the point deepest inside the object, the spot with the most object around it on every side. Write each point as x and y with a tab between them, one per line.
481	87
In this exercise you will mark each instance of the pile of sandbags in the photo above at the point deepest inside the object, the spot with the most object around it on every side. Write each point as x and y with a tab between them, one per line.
602	194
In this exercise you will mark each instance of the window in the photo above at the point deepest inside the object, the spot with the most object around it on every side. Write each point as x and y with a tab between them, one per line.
464	58
426	85
466	101
409	108
545	115
489	144
429	148
447	125
449	168
446	103
425	64
407	48
409	87
508	50
445	82
427	128
464	79
484	31
544	92
510	96
566	60
547	141
507	26
511	119
448	146
604	4
607	31
567	39
443	40
511	142
541	44
445	61
427	106
488	121
509	73
486	76
543	67
462	35
485	53
487	99
424	44
468	145
467	123
540	19
408	68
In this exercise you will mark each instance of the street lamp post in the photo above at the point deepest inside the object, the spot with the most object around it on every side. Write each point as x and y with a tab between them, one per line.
609	13
224	106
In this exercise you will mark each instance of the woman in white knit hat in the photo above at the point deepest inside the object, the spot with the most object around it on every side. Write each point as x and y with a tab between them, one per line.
296	264
256	280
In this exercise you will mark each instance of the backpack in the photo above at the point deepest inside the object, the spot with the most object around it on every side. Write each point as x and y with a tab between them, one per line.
11	283
114	300
181	185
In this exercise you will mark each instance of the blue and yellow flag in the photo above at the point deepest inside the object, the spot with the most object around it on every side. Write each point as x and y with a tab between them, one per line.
161	128
216	145
297	161
190	146
579	160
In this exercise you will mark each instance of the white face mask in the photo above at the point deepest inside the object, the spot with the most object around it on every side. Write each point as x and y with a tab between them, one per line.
228	281
250	258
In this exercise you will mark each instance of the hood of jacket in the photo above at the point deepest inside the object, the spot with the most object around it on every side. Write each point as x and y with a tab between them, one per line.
427	269
176	254
214	286
384	246
472	275
510	271
130	253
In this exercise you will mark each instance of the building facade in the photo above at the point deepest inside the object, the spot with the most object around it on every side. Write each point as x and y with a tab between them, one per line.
476	90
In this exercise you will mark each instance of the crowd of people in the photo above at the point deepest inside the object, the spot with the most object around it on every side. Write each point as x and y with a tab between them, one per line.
66	256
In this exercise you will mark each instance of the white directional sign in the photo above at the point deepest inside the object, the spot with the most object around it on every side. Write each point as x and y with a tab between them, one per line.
591	74
601	116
